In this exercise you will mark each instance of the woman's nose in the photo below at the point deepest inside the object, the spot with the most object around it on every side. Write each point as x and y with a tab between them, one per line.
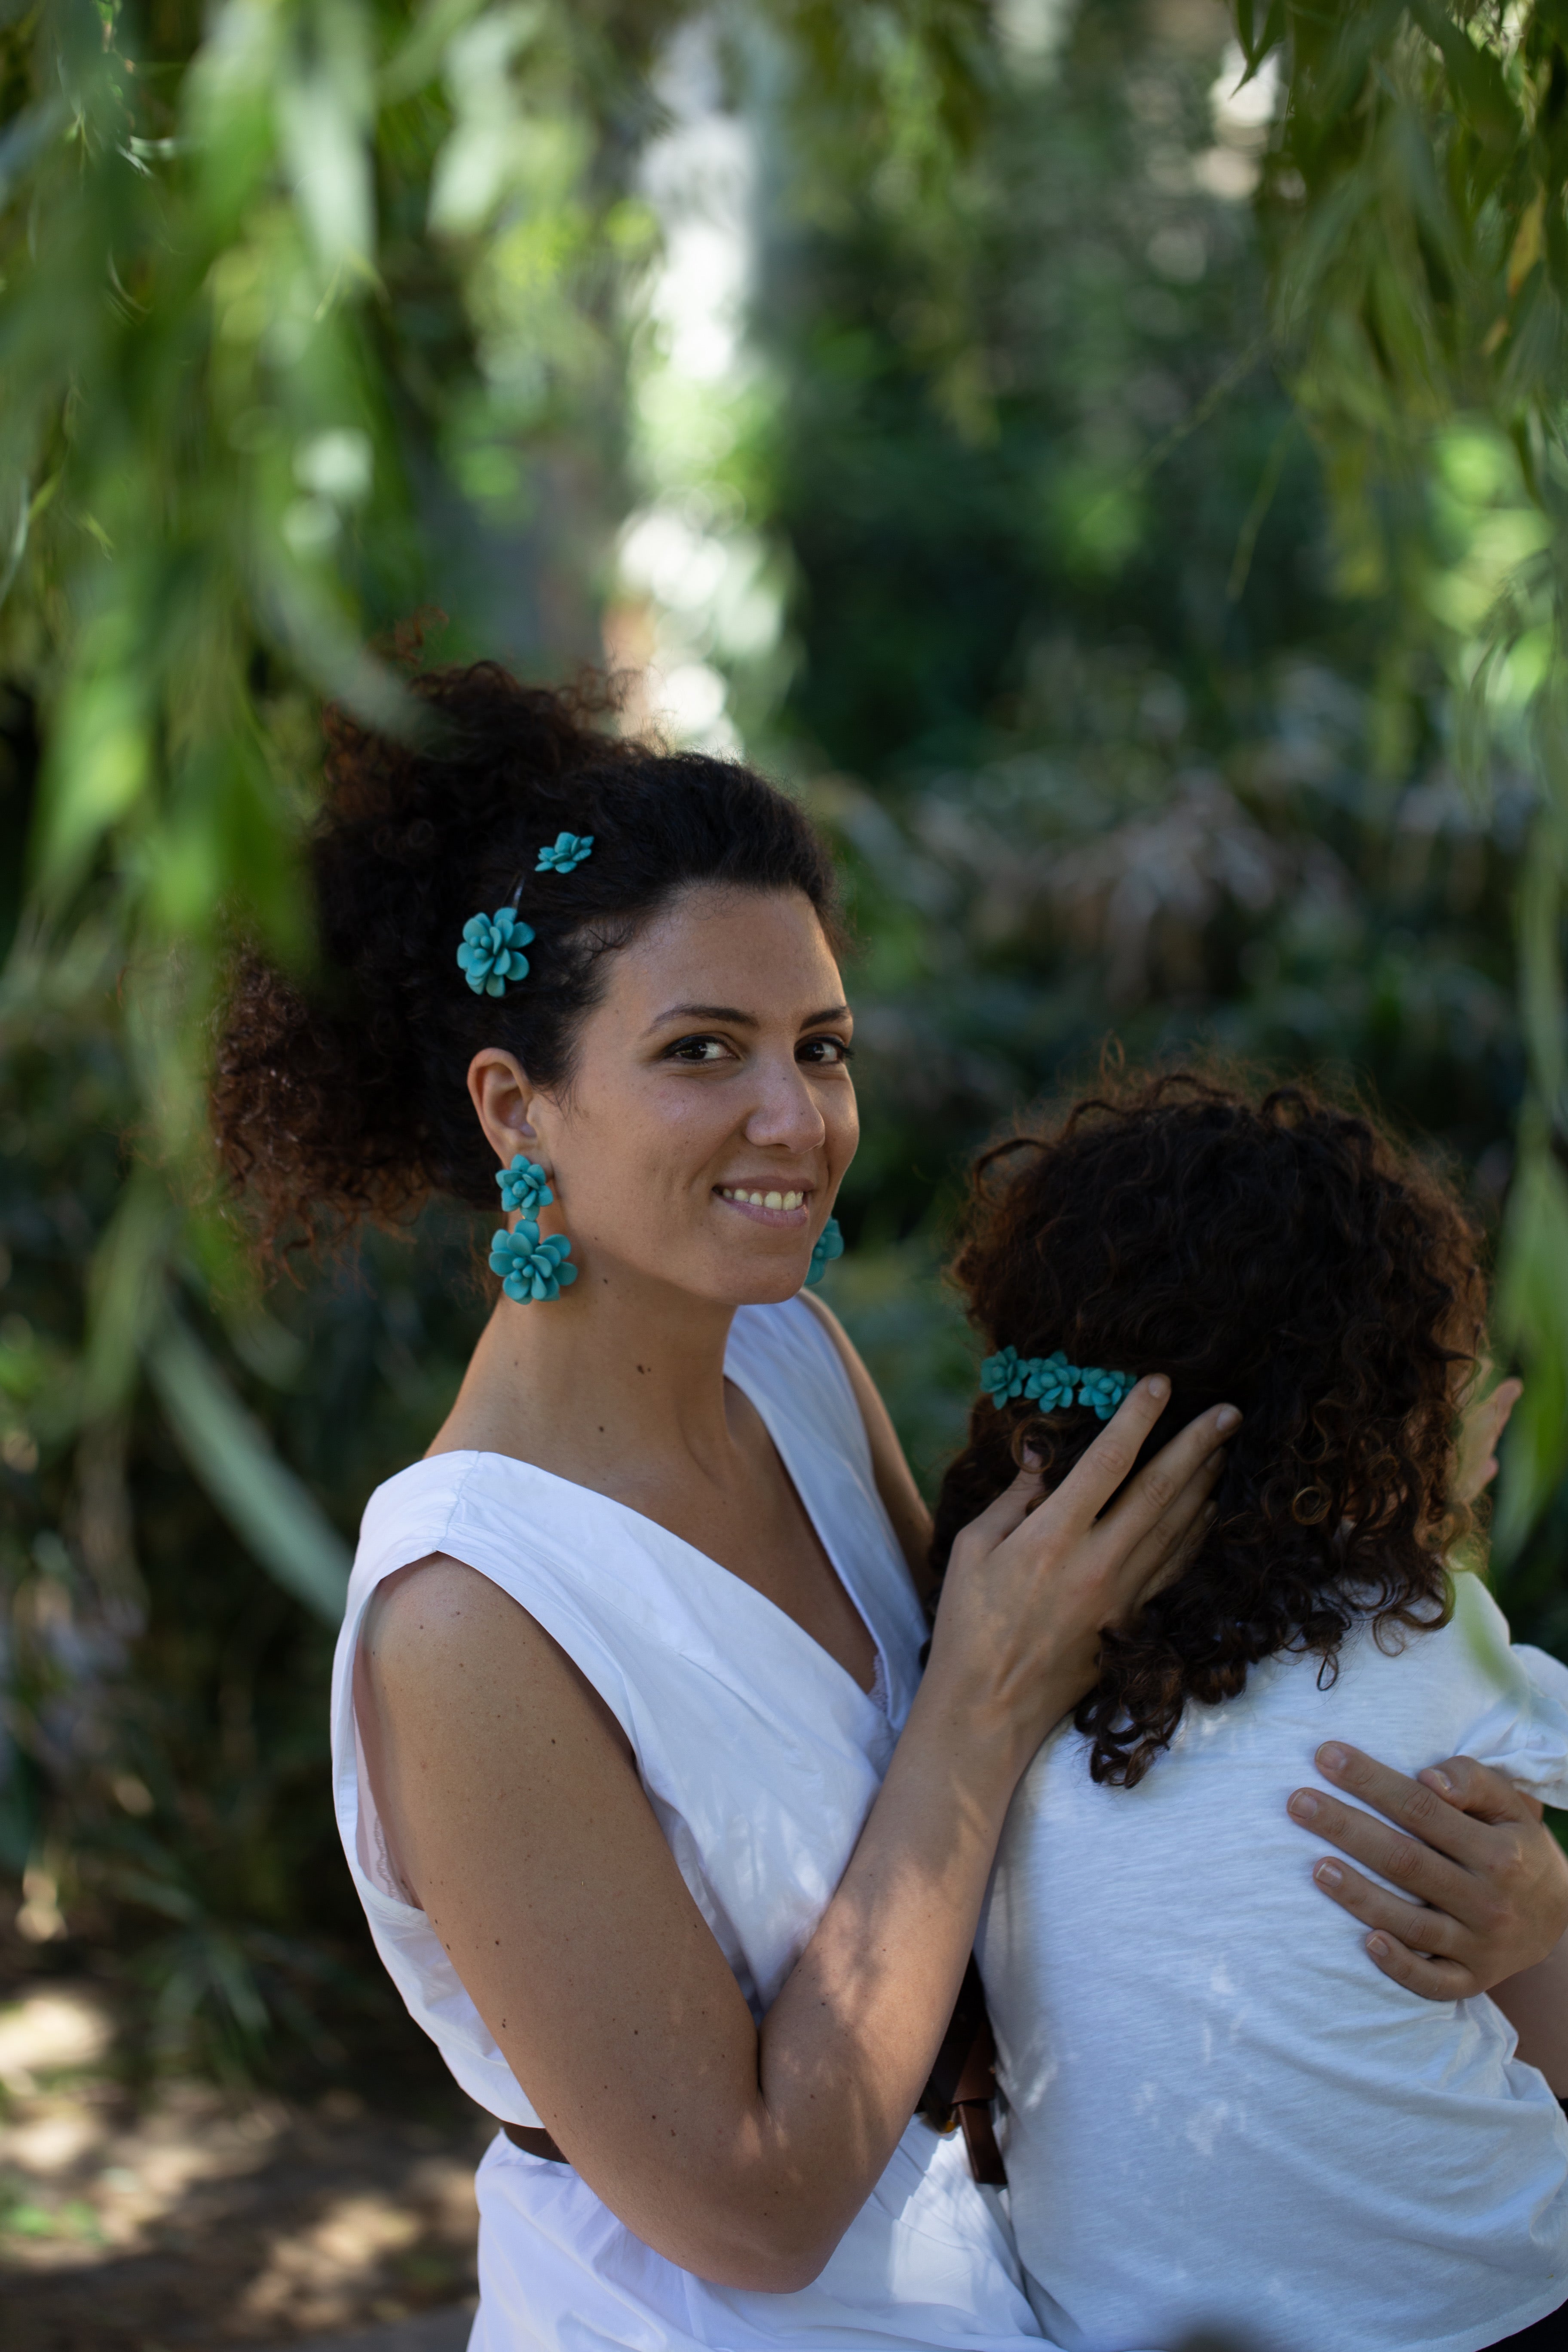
786	1111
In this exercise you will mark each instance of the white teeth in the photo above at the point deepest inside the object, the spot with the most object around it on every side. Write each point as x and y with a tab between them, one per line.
773	1201
792	1200
761	1200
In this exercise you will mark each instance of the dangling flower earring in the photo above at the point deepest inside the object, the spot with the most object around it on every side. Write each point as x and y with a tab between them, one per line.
529	1267
829	1244
524	1186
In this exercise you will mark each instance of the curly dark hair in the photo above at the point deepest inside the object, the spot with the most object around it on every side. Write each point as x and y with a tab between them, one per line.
346	1097
1275	1252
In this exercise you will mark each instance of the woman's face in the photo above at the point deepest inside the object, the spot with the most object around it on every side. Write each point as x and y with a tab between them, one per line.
711	1115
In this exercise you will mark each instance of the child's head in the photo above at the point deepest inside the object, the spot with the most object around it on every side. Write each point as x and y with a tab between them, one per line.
1266	1251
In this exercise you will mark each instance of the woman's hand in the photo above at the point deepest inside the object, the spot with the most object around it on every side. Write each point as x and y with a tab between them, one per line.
1033	1582
1487	1879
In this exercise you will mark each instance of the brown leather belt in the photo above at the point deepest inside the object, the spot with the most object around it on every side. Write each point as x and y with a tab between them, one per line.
963	2082
957	2098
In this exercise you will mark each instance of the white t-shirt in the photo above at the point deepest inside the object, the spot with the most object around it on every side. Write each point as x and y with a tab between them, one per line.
1220	2112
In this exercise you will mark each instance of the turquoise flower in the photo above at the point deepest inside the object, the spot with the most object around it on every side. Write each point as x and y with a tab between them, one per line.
491	952
1005	1376
1051	1382
1048	1381
829	1244
528	1267
523	1186
1104	1391
569	851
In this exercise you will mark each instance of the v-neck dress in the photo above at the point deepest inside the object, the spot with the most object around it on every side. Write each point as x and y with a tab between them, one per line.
761	1757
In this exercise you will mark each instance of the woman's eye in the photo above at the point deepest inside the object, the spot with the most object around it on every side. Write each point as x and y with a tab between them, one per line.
827	1053
698	1049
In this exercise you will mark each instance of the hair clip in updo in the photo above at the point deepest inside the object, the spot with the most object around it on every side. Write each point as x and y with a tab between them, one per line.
567	852
491	952
1052	1383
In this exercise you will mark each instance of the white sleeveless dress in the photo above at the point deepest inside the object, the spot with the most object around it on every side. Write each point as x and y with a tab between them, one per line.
761	1757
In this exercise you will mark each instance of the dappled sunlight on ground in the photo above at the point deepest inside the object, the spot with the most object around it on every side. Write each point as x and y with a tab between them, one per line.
184	2217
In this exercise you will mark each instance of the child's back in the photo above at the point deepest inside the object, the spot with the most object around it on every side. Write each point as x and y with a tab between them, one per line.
1222	2114
1218	2111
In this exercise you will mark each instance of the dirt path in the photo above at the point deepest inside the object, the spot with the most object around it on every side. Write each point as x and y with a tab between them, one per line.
190	2220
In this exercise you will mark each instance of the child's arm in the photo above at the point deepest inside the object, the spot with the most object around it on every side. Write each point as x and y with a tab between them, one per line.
1535	2004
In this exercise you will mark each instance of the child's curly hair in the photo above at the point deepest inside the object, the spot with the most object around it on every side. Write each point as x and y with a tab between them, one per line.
1277	1253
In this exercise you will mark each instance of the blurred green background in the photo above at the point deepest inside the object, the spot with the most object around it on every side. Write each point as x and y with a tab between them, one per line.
1120	491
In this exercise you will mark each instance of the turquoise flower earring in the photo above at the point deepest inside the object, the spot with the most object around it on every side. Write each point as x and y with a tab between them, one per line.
529	1267
829	1244
524	1186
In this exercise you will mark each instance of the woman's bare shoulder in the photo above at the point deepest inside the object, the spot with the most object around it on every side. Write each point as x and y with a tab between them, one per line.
440	1635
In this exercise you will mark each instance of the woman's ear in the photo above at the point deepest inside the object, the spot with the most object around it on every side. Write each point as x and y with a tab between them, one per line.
504	1096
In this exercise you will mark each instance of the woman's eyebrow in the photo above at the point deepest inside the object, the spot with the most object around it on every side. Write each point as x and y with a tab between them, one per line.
738	1019
704	1012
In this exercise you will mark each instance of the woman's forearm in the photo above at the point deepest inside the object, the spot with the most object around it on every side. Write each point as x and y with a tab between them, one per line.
1535	2003
848	2046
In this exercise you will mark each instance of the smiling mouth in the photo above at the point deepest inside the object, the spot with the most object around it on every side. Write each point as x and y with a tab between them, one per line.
769	1206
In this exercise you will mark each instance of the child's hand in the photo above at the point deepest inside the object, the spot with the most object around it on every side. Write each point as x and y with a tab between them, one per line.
1480	1428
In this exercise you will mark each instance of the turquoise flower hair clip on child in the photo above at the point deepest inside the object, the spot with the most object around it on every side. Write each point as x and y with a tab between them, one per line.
1052	1383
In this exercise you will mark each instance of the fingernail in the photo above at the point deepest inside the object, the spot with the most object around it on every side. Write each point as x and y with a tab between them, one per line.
1159	1387
1328	1873
1333	1757
1378	1946
1226	1419
1303	1806
1031	1460
1436	1779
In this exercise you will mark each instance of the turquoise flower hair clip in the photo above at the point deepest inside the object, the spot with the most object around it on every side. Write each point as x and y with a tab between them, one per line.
491	952
523	1186
565	853
829	1244
1052	1383
531	1268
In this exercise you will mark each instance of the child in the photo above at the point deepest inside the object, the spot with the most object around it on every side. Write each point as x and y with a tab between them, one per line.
1273	2141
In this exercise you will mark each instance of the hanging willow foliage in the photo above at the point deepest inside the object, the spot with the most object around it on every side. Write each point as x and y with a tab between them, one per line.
306	303
1413	206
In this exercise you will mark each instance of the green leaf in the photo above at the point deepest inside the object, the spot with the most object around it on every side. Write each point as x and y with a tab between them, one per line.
228	1451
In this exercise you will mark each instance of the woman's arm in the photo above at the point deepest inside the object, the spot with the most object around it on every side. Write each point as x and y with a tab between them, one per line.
1535	2004
901	1498
515	1812
1487	1881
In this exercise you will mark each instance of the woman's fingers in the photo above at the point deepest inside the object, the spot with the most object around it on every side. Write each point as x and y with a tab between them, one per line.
1420	1926
1475	1789
1008	1512
1410	1863
1434	1979
1162	1555
1413	1807
1475	1850
1078	1502
1166	1487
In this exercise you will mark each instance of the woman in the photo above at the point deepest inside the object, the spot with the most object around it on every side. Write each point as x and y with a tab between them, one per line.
659	1829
